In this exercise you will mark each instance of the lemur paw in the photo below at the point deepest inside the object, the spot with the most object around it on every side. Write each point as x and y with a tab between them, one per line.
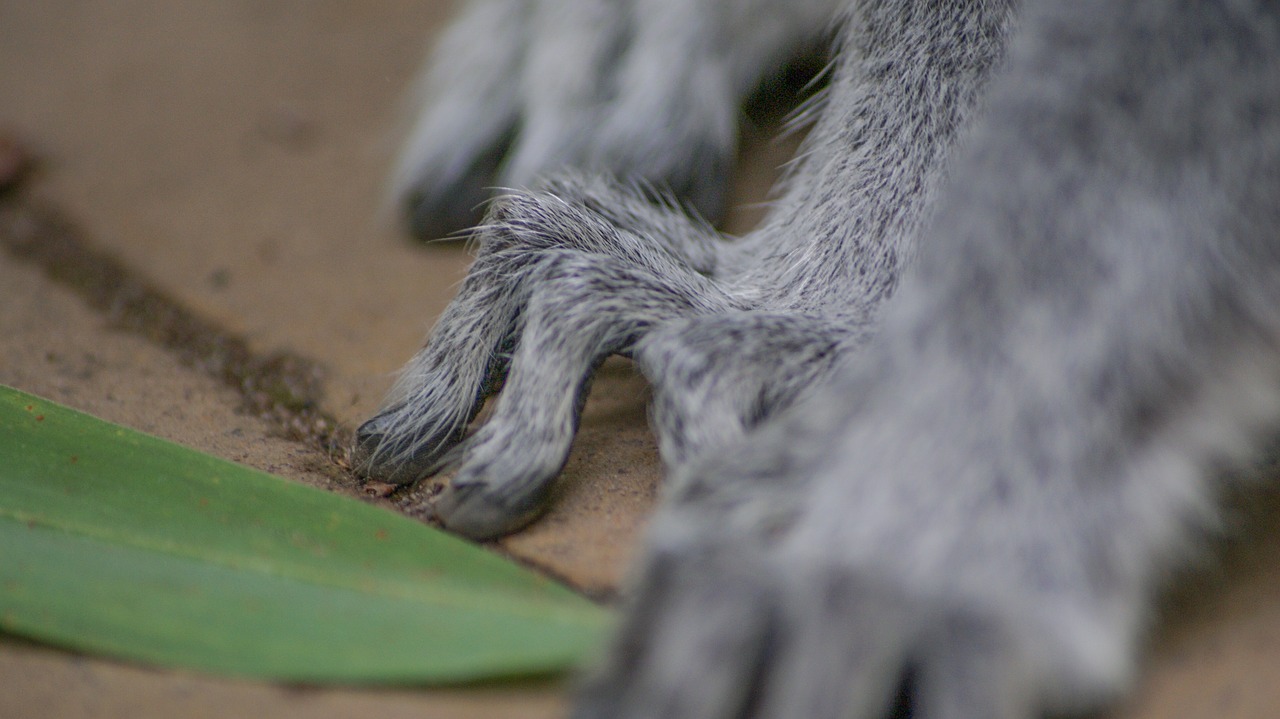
502	105
776	637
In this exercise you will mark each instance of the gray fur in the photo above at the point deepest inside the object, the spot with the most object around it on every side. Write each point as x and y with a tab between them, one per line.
518	89
957	502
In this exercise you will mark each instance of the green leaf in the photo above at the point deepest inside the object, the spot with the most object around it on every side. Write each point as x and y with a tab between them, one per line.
116	542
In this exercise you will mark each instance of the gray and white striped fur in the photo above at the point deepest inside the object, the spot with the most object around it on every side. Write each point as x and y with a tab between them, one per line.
942	425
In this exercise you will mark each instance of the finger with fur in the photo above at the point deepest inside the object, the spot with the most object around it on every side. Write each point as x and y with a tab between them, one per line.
715	378
722	628
442	388
581	308
467	106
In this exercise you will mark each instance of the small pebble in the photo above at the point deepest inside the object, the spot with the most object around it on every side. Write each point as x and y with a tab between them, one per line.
375	488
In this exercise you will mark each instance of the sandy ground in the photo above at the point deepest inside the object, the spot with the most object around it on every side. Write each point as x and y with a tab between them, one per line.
233	154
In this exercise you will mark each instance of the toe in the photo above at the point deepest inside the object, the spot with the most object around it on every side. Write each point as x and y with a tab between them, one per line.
383	452
693	643
473	510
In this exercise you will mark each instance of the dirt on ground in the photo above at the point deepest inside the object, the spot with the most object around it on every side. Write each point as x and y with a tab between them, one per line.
203	228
